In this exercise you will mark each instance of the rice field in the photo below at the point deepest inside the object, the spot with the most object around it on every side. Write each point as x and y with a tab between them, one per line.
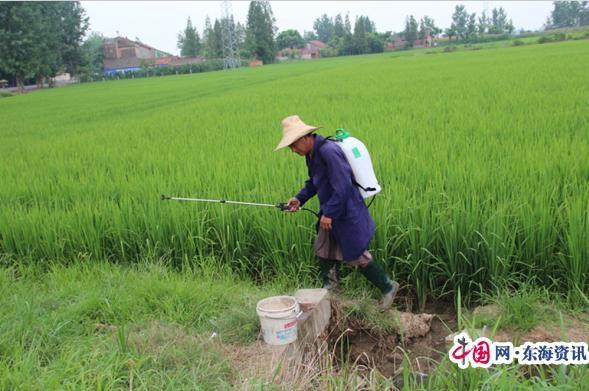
482	156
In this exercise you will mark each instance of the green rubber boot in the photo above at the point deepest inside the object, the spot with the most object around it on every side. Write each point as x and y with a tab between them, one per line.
329	274
378	277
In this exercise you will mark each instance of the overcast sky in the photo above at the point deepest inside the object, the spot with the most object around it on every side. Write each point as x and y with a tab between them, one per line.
157	23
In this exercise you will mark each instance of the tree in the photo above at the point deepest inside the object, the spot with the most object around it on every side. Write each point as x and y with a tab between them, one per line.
93	56
368	25
499	22
48	53
509	27
346	44
260	31
324	28
18	39
360	41
451	32
208	38
212	40
569	14
74	25
584	14
410	32
40	39
375	43
189	41
459	22
309	36
240	36
348	24
339	29
484	22
218	33
61	27
289	39
471	28
428	26
422	29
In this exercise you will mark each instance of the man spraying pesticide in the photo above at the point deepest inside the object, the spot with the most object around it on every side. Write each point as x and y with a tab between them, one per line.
341	175
337	170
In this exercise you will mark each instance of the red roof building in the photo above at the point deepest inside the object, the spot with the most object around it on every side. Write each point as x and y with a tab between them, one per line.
122	55
311	50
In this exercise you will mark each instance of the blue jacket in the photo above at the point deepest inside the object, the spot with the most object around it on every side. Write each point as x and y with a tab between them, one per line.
330	177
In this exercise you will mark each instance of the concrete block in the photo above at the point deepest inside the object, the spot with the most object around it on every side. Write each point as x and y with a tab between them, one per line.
311	337
316	314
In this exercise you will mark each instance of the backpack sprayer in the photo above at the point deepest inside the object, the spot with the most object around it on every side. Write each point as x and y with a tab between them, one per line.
357	156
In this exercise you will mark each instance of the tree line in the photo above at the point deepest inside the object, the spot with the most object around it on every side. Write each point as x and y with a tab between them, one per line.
568	14
41	39
466	27
342	40
254	40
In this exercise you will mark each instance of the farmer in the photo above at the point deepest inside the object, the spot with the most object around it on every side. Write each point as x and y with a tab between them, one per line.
345	226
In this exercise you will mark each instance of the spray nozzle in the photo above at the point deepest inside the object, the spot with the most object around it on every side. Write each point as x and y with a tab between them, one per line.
283	206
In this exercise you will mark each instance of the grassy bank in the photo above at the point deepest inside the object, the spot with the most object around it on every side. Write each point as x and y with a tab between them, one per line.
103	326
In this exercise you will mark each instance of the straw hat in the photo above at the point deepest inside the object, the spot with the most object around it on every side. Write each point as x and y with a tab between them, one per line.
293	129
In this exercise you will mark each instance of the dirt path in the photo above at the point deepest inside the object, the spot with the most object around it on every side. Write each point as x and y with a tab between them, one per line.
416	339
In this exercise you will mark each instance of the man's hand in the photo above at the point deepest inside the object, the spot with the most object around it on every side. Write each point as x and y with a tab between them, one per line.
325	222
293	204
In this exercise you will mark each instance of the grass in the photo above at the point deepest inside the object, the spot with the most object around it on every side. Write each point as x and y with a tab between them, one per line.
370	315
145	326
105	326
449	377
522	309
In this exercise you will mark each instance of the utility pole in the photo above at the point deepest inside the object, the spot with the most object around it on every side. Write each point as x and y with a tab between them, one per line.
231	58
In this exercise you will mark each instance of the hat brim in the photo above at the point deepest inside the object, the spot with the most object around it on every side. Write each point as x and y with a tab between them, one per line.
292	137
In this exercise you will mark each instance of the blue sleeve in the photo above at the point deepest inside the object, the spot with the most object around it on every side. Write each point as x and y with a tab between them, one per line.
340	178
307	192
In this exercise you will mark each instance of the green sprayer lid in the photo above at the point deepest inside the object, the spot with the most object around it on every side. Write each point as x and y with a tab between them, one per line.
341	134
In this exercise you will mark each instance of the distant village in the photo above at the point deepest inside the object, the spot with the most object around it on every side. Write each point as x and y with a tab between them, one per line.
122	54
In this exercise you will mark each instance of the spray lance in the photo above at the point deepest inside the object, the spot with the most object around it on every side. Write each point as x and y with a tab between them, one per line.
283	206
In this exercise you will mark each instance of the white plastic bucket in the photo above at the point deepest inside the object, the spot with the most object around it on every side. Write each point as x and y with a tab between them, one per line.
278	317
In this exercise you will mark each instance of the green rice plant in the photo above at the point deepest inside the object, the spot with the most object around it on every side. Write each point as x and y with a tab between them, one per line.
479	163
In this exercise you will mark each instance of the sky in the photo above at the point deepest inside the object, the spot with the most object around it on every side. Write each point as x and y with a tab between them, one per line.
157	23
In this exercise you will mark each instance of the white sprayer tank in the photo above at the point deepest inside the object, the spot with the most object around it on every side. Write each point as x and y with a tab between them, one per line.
359	159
